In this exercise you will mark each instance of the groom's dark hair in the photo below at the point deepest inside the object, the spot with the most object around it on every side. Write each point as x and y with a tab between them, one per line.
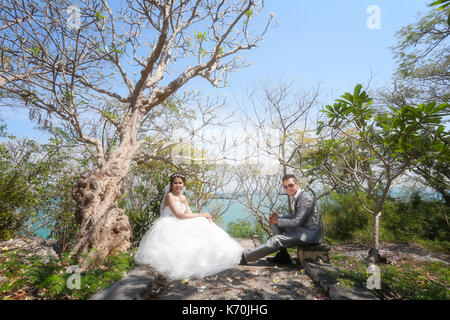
289	176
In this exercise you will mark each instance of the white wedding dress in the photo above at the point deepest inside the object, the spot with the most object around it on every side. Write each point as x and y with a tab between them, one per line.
187	248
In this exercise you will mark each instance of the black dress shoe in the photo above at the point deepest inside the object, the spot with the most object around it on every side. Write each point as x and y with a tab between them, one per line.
243	261
281	257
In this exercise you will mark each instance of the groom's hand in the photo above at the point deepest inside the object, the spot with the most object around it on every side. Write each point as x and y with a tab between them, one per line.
273	219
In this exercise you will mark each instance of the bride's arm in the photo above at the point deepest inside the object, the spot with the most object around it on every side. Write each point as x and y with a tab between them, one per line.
171	202
202	214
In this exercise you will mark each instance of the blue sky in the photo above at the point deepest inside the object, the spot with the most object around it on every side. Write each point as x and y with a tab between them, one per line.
328	41
314	41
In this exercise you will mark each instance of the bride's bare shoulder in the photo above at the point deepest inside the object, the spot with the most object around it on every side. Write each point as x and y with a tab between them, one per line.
169	195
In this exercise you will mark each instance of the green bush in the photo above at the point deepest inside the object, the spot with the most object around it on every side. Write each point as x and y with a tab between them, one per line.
246	229
411	219
416	218
41	280
15	196
407	279
142	199
343	216
35	188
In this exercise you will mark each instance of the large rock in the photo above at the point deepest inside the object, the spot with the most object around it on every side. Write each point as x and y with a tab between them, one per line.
33	246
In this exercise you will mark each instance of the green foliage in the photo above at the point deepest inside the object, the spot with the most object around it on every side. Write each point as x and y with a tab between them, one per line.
342	216
16	196
423	60
249	14
369	151
246	229
418	281
416	218
64	227
405	280
110	116
199	36
35	188
396	132
67	98
142	200
49	280
404	127
412	219
99	16
443	4
63	177
422	76
35	51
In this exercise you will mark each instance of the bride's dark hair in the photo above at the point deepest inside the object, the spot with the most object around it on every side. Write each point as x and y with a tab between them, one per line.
176	175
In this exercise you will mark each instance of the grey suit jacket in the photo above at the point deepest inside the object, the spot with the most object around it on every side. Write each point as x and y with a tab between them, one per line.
305	221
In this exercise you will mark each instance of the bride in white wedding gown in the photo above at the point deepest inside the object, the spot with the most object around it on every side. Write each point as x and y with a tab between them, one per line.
183	245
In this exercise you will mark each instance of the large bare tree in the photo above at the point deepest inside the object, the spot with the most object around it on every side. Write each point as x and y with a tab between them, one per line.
287	111
282	117
75	65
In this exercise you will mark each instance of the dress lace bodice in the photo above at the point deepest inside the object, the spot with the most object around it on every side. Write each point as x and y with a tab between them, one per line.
167	212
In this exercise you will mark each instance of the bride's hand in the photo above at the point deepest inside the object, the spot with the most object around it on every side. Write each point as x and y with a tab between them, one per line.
207	216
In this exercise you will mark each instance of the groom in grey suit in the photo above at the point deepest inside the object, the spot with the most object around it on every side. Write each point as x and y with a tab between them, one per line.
302	227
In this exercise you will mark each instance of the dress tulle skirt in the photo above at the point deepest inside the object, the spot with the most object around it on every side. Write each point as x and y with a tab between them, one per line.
188	248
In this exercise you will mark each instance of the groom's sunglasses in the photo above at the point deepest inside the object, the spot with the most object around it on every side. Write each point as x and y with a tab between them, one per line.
290	185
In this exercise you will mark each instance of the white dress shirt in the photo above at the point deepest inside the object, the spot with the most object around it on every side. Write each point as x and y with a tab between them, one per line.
294	198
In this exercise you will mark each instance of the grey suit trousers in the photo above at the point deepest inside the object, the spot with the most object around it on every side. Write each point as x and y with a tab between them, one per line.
282	238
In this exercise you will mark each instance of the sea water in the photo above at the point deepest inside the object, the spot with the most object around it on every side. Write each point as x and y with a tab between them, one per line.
235	212
42	232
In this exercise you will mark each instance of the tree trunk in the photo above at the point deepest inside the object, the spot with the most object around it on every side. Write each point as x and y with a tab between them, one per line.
103	226
374	253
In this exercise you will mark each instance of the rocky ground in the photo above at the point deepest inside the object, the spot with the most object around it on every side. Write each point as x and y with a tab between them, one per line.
264	280
46	249
390	252
260	280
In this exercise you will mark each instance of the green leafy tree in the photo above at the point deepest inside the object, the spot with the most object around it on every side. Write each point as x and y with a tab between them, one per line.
422	76
434	169
36	180
375	150
14	195
343	216
143	192
442	5
423	58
